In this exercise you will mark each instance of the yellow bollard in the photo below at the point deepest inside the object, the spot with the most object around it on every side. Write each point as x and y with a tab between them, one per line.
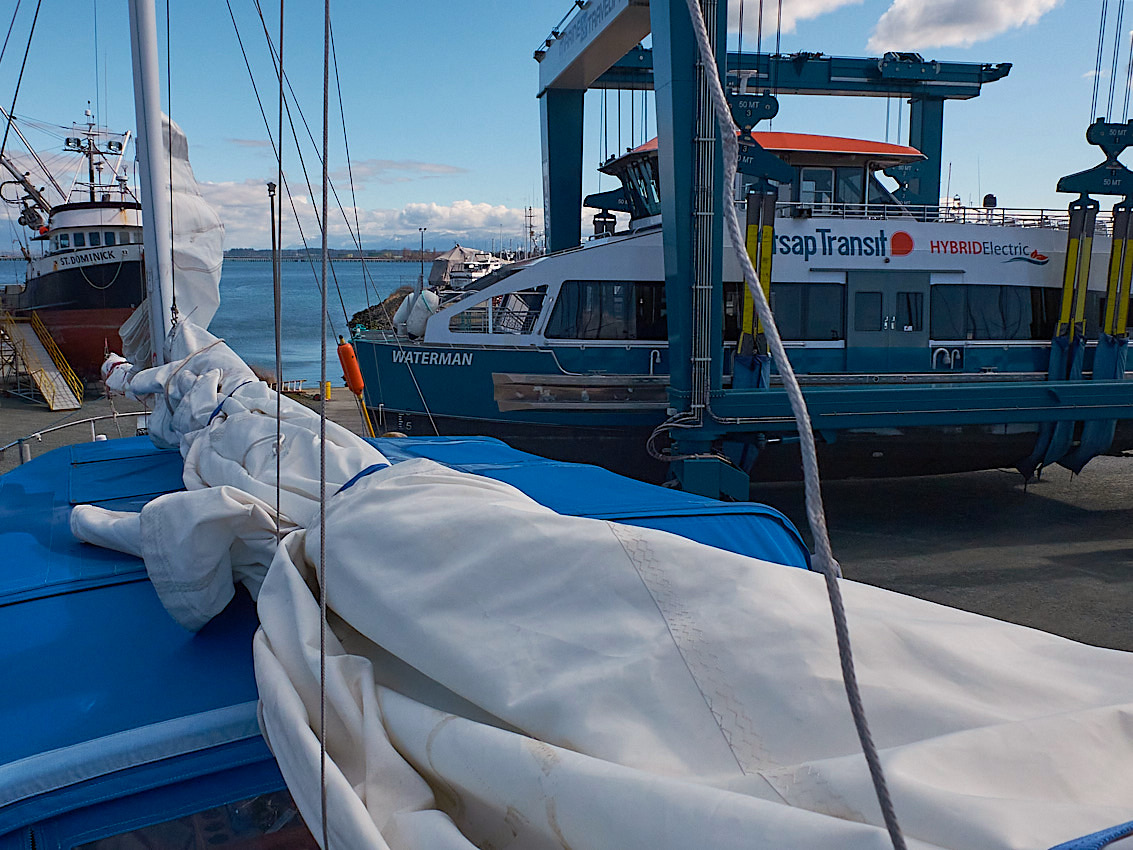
326	393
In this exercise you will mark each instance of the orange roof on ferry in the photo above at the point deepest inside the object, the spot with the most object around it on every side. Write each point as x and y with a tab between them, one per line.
810	143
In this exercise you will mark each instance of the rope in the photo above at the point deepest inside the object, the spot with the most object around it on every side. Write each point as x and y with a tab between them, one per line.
323	437
815	514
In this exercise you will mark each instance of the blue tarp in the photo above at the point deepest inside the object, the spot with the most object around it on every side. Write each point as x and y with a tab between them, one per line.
590	491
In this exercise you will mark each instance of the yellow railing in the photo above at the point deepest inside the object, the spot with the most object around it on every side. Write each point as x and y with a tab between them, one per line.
36	370
57	357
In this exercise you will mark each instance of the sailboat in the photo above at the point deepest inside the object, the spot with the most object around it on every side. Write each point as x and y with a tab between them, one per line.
496	672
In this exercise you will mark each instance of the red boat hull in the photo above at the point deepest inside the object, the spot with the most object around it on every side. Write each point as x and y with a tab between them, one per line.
84	336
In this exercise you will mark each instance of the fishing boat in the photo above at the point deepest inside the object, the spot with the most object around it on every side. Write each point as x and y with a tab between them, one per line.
443	660
84	253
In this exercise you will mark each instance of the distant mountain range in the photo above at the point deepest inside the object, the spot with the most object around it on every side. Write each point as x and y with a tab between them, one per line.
387	254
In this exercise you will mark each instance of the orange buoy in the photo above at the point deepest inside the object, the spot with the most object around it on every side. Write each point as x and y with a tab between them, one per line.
350	371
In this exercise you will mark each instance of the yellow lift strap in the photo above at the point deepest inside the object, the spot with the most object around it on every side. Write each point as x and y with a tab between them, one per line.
1116	321
760	244
1079	247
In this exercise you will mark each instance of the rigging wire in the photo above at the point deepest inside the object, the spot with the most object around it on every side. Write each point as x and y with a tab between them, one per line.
277	292
366	277
778	38
302	162
1098	62
285	187
815	513
1116	56
323	436
294	210
19	80
1128	80
11	24
169	159
759	31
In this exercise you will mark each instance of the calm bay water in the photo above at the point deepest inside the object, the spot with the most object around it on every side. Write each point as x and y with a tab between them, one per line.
245	318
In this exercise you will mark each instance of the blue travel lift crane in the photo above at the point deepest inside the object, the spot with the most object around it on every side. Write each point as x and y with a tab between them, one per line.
1068	347
600	48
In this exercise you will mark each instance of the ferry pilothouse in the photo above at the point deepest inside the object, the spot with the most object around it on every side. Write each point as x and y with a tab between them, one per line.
84	254
566	355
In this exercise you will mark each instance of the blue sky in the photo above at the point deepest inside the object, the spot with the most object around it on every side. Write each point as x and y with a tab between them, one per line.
440	102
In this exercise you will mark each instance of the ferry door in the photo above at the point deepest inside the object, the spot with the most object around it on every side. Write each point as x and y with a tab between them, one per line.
887	321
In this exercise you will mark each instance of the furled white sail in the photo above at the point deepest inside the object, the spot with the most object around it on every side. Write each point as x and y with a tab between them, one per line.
503	676
198	248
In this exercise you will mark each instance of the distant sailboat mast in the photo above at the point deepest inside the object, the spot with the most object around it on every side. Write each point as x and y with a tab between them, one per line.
153	171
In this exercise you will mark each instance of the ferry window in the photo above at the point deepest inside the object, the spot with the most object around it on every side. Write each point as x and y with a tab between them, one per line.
593	310
269	820
808	311
910	311
108	237
816	186
993	312
95	240
850	185
787	307
64	240
80	241
517	312
946	312
54	243
878	194
474	320
824	318
733	308
867	311
650	319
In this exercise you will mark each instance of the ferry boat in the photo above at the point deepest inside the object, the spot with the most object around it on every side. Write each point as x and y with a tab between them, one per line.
85	277
567	355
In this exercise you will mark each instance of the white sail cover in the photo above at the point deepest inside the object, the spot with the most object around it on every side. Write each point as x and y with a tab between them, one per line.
502	676
198	248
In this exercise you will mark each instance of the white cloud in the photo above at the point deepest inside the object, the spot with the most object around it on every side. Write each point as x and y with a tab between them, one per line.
793	12
919	24
243	207
392	171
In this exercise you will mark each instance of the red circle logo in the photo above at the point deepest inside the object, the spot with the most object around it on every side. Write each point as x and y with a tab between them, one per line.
901	244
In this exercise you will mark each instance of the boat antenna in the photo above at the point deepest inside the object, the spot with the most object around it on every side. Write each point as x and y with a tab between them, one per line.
97	102
19	80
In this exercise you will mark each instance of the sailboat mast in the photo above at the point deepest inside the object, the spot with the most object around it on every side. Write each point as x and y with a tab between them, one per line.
153	170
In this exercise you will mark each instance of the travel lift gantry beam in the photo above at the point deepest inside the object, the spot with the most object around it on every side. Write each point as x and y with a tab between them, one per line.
598	47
